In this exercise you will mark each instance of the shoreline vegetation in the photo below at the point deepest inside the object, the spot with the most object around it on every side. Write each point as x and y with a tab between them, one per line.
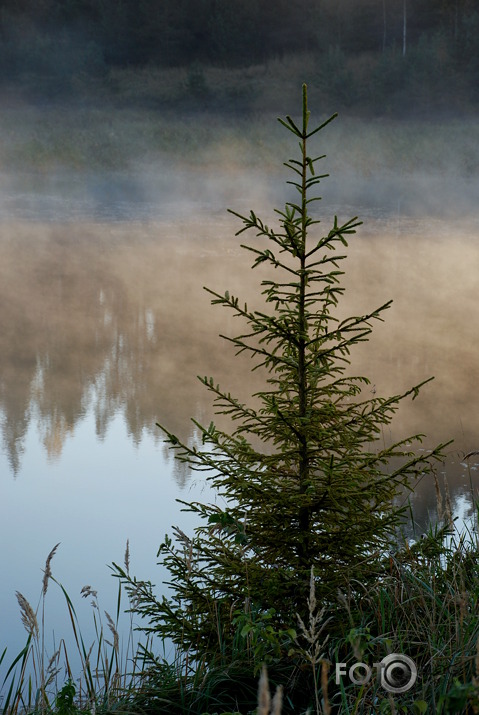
205	117
416	598
408	167
427	602
251	90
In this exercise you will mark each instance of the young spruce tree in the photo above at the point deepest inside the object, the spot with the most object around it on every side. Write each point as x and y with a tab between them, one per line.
304	475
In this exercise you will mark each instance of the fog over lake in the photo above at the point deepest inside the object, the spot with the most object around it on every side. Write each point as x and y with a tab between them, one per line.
104	327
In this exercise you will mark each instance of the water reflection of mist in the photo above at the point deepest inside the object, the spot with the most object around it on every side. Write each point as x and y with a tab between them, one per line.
113	316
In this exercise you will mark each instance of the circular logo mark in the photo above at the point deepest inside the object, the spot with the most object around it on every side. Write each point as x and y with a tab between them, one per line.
398	673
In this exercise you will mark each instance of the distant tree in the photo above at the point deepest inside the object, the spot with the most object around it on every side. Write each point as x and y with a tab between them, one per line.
232	32
385	26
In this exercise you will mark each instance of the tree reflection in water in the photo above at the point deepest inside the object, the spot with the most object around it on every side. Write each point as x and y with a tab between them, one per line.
111	317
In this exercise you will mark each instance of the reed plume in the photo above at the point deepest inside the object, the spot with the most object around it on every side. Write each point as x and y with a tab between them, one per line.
111	626
29	617
127	557
48	572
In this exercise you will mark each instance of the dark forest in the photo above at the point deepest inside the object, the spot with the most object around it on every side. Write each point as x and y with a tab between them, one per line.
376	54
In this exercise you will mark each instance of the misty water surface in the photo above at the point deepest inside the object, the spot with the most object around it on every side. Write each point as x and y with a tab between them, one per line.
104	327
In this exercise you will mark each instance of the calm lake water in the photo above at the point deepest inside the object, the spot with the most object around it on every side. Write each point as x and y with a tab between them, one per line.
104	326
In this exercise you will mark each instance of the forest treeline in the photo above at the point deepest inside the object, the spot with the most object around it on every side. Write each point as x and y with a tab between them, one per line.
366	50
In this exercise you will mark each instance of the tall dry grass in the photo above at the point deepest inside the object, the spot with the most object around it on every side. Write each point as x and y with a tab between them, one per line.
110	666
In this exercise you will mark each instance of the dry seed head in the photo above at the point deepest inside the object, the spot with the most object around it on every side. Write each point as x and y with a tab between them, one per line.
29	618
316	624
47	573
440	512
53	660
53	668
111	626
264	698
303	628
88	591
134	597
448	510
87	659
127	557
277	703
181	536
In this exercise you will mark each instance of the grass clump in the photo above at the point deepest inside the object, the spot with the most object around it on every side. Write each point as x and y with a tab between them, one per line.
42	683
